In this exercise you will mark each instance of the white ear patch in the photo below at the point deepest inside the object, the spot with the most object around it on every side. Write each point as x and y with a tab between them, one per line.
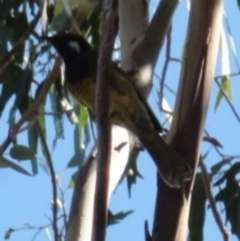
75	45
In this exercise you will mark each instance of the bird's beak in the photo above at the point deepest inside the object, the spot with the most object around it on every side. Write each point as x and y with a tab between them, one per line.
49	39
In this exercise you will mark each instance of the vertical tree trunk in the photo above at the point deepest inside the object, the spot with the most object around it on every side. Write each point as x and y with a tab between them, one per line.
172	206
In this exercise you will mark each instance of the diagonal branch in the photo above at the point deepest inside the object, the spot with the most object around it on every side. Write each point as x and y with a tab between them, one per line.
148	50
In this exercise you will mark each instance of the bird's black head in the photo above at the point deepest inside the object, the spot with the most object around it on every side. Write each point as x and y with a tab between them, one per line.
78	56
71	47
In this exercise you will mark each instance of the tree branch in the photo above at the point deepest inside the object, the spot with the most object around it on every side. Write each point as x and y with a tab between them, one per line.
172	206
102	106
148	50
53	179
165	66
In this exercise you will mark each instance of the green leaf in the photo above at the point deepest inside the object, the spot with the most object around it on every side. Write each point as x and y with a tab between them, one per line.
23	100
83	118
33	138
33	144
230	197
42	122
116	218
197	210
41	119
226	87
8	233
77	158
73	180
20	18
21	153
10	83
218	166
233	171
87	135
238	3
77	137
6	8
41	116
5	163
213	141
57	118
132	172
5	34
61	20
80	127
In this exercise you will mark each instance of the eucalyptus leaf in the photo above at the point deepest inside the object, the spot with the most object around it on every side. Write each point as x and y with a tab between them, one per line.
21	153
132	172
117	217
226	88
8	233
5	163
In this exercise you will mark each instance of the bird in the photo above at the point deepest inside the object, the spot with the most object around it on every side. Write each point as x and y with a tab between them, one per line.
128	107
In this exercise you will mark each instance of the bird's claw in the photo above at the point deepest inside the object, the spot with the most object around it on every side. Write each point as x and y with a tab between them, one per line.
178	175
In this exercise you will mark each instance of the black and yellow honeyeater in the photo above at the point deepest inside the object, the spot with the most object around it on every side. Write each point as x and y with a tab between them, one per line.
128	107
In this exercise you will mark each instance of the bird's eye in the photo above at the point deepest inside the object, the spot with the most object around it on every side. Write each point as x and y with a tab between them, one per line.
74	45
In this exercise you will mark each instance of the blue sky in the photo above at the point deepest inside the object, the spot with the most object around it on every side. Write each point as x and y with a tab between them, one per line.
27	200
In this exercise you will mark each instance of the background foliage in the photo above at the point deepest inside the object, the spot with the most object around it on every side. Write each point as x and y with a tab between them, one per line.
26	62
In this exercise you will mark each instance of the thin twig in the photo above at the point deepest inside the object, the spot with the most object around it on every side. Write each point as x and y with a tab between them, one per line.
63	208
173	59
230	75
208	189
165	66
53	179
30	227
38	232
215	147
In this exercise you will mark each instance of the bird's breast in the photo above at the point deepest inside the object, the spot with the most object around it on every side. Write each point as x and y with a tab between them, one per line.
83	91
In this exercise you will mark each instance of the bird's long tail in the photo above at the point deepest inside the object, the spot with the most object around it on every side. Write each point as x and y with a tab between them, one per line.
172	167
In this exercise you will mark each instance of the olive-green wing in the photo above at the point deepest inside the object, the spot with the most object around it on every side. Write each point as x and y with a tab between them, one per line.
152	116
